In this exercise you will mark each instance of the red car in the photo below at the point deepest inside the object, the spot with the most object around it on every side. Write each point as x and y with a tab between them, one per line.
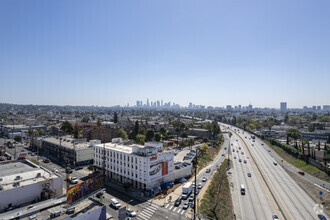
244	161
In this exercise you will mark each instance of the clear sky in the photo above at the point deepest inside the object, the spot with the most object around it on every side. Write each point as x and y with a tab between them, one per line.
210	52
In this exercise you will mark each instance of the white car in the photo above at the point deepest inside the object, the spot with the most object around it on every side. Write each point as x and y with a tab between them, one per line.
73	178
130	213
55	170
204	179
74	181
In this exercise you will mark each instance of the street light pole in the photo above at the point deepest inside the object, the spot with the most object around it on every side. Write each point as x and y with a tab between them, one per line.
195	163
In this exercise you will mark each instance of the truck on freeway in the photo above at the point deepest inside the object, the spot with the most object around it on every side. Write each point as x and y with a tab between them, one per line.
186	190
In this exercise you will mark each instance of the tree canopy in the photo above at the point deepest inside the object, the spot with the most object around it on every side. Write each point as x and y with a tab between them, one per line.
122	133
140	139
67	127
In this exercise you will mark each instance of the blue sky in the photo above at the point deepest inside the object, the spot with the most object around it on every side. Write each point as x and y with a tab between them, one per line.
210	52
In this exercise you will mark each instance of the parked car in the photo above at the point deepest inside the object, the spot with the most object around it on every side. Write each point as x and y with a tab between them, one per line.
74	181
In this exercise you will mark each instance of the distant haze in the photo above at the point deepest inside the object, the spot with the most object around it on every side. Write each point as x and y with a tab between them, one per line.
206	52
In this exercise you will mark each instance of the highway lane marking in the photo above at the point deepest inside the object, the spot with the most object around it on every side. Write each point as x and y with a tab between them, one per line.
174	209
255	164
321	187
167	206
178	211
254	167
170	208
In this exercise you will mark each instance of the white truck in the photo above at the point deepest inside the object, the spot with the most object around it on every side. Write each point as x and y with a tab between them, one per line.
186	190
114	202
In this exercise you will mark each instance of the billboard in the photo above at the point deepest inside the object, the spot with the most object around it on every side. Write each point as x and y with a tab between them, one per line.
84	188
159	166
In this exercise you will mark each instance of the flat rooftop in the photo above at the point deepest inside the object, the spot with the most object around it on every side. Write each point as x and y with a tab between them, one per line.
66	142
22	172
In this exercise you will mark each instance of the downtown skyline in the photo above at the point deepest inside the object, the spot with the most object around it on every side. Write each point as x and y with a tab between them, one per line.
211	53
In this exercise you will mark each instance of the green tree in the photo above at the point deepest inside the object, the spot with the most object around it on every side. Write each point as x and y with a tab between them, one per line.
163	131
184	134
311	128
18	138
294	133
150	134
286	118
76	131
115	117
122	133
203	149
140	139
158	136
136	128
215	129
41	132
66	127
85	119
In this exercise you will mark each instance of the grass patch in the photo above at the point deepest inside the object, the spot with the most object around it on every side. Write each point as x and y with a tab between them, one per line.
301	164
35	161
216	202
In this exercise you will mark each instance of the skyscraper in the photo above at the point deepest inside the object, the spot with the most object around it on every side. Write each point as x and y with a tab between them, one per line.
283	107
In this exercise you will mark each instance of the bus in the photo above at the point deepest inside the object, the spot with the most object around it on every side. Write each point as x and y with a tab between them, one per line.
242	189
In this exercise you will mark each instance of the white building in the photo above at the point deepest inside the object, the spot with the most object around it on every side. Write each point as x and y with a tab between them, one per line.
142	166
23	182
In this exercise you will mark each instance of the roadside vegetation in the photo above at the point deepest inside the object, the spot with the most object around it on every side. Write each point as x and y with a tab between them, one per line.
208	153
216	202
289	157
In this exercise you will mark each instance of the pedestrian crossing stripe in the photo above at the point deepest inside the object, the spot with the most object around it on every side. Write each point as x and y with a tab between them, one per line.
174	209
178	210
170	208
148	211
144	216
182	212
167	206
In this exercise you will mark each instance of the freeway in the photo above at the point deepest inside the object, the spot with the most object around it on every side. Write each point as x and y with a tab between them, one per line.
290	198
257	203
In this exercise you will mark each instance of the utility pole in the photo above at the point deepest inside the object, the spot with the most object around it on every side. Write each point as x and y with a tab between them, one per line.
195	163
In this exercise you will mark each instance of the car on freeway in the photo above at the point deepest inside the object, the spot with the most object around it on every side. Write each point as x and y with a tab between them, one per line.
177	202
204	179
262	144
249	174
197	191
301	172
275	217
130	213
321	217
275	163
208	170
252	144
244	161
239	148
200	185
240	160
242	152
234	157
233	150
222	154
185	205
33	154
268	150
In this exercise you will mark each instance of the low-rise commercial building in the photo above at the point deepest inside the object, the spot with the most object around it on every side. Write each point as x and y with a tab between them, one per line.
144	167
23	182
68	150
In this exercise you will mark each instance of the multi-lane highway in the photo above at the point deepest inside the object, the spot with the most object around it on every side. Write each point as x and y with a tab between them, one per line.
269	190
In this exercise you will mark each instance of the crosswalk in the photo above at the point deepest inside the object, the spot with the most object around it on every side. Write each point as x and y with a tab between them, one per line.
172	208
146	213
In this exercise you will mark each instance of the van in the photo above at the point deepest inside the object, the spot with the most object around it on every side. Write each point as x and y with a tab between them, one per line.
114	203
242	189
